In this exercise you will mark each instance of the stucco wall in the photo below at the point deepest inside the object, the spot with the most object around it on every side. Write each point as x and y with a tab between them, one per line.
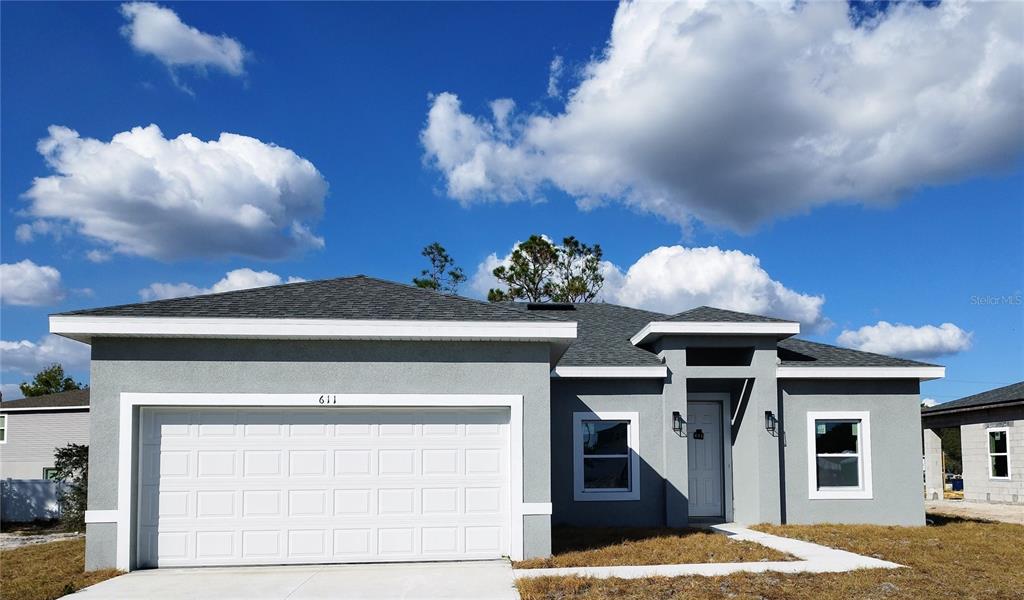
978	486
32	438
755	453
895	417
595	395
314	367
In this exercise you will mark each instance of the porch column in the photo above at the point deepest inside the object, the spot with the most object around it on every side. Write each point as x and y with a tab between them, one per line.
934	478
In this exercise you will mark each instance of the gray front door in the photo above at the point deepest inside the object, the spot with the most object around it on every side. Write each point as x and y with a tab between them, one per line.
704	444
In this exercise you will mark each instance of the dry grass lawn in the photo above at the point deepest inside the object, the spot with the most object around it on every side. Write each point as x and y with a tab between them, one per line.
608	547
46	571
953	558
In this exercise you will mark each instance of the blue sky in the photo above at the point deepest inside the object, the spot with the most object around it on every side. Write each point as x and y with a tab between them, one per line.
921	235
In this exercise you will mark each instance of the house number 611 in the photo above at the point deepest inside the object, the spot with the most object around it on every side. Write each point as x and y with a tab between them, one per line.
328	399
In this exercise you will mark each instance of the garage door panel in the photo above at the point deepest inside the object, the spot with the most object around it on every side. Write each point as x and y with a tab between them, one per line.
256	486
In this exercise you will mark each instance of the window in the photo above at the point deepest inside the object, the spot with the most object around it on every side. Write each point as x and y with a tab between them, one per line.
3	429
838	455
50	473
998	453
606	459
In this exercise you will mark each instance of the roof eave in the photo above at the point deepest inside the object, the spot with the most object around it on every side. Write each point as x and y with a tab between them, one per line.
937	411
83	328
657	329
921	373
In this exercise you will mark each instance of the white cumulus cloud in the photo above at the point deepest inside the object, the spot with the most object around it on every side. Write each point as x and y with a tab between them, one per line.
27	284
927	341
671	279
10	391
929	402
735	113
26	358
239	279
554	76
142	194
156	30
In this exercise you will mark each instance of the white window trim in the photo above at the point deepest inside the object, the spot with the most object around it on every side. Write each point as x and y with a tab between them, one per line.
861	492
6	428
633	440
121	515
988	449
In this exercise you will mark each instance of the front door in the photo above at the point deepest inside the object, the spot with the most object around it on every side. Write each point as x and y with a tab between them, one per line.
704	444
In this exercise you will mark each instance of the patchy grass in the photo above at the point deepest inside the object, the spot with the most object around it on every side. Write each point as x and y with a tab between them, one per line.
954	558
46	571
607	547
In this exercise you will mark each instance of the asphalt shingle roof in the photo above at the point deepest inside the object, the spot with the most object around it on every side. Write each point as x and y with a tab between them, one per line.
602	335
1010	393
794	352
72	398
709	314
603	331
356	298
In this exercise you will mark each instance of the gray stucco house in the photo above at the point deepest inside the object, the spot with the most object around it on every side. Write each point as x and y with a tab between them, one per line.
356	419
31	428
991	444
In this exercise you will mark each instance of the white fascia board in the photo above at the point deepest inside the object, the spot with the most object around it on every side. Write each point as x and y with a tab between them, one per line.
651	372
38	408
922	373
656	329
83	328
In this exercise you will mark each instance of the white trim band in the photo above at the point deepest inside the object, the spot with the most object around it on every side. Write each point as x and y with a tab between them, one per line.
653	372
83	328
922	373
102	516
536	508
37	408
656	329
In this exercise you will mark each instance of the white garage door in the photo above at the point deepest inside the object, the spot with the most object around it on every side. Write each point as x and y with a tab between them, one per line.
262	486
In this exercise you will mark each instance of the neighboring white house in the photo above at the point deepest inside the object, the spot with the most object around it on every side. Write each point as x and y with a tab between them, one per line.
992	444
32	428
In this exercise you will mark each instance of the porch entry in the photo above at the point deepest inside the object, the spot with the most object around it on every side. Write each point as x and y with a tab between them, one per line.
705	464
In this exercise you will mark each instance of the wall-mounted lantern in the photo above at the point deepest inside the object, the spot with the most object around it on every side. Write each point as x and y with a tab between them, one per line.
677	423
771	424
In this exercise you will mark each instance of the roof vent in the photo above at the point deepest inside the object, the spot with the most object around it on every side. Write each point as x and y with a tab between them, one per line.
550	306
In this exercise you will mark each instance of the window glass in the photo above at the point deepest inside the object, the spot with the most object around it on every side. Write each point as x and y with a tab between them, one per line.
838	471
837	437
50	473
3	428
606	473
837	449
1000	465
605	437
997	442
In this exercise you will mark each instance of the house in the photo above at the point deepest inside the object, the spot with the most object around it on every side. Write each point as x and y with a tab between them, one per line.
991	441
32	428
360	420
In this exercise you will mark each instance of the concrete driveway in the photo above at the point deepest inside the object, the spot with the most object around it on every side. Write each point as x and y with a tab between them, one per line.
422	581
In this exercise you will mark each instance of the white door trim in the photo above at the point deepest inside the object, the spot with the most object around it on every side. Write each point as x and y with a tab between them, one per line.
130	400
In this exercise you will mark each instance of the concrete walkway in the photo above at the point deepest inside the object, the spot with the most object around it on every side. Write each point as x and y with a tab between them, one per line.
484	580
1007	513
814	558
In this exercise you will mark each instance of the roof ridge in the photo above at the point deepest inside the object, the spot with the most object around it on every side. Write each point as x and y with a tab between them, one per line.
496	305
